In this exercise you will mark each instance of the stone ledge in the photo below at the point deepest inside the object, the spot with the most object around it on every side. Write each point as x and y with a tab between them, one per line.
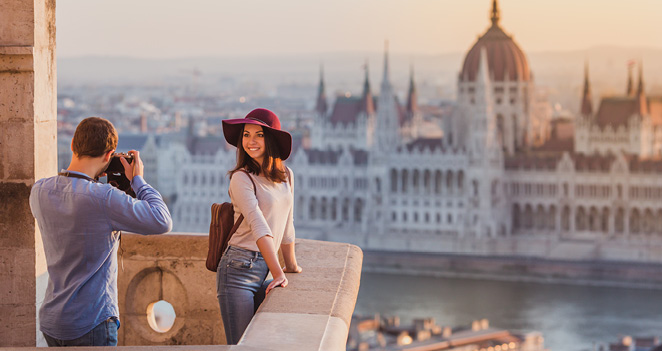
16	50
315	310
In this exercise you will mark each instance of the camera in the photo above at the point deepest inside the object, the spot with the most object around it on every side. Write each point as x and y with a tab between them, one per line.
115	173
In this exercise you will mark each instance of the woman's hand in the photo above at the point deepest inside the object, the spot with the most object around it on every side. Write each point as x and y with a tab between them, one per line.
279	281
297	269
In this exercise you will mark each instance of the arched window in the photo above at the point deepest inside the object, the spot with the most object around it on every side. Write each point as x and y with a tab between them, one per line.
323	209
540	217
313	209
358	210
594	220
416	179
635	221
565	218
345	210
604	220
516	217
528	217
438	182
404	180
426	181
580	219
501	131
619	221
449	181
551	218
394	181
334	208
648	222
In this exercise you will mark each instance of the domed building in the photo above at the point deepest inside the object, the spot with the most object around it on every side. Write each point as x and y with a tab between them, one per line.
512	87
495	184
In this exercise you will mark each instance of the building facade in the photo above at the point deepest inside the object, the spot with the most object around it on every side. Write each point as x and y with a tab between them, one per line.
504	179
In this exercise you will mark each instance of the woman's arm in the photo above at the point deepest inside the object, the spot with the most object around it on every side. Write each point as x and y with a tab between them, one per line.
268	250
287	245
290	258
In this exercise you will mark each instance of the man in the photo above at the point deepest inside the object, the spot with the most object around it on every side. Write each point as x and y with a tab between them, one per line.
80	221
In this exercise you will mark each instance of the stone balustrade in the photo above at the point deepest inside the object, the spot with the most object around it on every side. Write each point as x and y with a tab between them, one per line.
312	313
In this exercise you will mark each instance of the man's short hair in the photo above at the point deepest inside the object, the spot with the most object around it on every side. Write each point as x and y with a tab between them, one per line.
94	137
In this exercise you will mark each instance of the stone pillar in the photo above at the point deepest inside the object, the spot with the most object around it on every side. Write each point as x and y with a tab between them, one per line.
28	131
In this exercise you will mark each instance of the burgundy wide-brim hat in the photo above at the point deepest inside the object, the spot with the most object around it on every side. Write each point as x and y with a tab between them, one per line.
232	129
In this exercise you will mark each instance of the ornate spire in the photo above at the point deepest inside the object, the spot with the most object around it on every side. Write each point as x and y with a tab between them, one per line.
495	13
587	104
630	88
367	104
321	106
642	103
386	68
412	98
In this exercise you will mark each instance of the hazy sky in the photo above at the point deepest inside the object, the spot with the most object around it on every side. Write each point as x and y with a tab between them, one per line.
189	28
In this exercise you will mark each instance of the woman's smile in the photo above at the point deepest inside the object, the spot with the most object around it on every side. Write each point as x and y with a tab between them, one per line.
253	142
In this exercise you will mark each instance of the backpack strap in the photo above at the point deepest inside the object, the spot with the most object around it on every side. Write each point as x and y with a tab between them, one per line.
241	215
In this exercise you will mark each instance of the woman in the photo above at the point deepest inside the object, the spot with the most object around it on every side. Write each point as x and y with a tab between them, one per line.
261	188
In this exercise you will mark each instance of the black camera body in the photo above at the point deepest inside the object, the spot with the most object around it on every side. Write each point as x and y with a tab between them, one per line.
115	173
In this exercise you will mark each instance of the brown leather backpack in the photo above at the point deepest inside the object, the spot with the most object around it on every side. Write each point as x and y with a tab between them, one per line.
221	228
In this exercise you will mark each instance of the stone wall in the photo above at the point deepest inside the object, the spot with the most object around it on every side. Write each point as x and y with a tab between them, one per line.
312	313
27	143
169	268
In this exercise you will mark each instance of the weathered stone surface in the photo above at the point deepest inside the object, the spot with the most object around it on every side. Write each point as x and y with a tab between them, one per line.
172	268
17	324
16	23
17	226
293	331
17	99
323	294
27	152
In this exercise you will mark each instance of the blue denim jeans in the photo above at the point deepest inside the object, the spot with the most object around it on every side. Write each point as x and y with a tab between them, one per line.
241	289
104	334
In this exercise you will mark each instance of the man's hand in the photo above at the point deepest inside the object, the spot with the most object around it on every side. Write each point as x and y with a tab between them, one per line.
134	168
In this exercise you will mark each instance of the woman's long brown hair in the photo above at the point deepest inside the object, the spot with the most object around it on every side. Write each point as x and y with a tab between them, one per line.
273	168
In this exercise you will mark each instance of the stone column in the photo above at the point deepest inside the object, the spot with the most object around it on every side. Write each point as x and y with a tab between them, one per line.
28	131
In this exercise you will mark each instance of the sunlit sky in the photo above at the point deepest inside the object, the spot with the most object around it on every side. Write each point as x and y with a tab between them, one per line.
193	28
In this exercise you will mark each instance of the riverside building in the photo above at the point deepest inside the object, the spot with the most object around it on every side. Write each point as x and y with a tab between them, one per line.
505	178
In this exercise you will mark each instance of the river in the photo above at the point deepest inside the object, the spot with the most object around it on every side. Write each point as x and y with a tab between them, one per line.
571	318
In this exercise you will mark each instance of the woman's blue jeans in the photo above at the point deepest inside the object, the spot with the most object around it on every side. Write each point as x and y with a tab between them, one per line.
241	286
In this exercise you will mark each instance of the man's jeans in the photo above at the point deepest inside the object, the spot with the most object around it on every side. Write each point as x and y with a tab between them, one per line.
241	289
104	334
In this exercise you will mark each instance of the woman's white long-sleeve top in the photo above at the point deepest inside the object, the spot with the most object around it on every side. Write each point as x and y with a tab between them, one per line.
267	211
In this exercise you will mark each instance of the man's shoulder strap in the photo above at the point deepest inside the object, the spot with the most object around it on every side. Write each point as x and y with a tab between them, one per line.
76	175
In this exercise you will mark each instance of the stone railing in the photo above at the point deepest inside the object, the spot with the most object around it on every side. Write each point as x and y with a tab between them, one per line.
312	313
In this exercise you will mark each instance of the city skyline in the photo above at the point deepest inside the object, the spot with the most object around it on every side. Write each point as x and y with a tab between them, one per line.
151	29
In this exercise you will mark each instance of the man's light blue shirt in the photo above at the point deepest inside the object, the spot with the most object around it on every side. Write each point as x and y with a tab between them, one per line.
80	220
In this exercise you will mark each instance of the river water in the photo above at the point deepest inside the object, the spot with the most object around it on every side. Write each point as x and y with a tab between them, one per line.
571	318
